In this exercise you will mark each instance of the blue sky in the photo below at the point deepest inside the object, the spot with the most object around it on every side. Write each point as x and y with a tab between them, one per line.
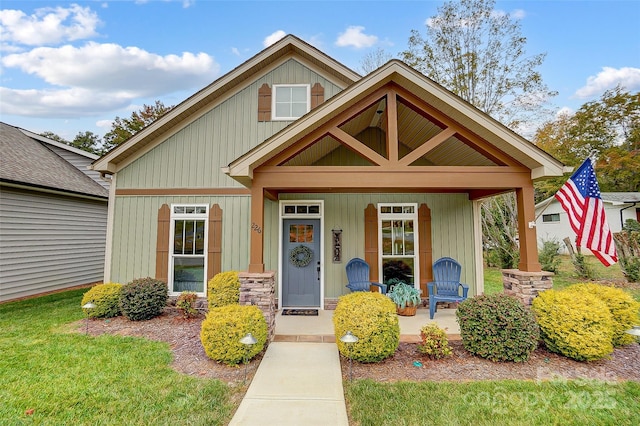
70	67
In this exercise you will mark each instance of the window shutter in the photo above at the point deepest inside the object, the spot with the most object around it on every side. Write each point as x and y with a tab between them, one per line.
162	243
371	241
317	95
264	103
214	251
426	250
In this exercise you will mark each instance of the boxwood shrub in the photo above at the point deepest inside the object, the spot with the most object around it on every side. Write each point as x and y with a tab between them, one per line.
143	298
497	327
106	297
575	324
223	289
625	311
222	329
372	318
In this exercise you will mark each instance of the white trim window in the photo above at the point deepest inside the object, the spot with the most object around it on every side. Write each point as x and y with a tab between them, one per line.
552	217
188	249
398	243
290	101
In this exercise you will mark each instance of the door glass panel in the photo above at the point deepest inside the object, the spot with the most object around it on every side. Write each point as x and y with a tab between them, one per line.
300	233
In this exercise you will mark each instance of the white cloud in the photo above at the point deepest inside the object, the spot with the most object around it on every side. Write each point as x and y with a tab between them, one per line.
272	38
56	103
354	36
608	78
48	26
104	124
110	67
235	51
96	78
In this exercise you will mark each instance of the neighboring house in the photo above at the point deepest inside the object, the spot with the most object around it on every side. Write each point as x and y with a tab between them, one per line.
552	221
294	163
53	215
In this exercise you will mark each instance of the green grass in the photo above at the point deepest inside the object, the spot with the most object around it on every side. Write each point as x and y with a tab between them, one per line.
565	276
493	403
72	378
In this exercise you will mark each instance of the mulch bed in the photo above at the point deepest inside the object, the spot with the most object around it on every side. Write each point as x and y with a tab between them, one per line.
183	336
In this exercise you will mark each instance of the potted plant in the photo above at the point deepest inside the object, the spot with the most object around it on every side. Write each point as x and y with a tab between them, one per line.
406	297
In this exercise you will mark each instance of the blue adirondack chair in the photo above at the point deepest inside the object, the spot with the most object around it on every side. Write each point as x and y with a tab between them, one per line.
446	284
358	276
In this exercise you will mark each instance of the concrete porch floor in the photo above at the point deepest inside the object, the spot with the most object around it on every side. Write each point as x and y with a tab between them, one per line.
293	328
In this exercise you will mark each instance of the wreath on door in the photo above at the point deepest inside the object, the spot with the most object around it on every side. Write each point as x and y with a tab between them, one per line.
301	256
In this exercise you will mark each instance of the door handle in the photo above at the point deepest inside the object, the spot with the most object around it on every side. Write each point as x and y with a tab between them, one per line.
318	269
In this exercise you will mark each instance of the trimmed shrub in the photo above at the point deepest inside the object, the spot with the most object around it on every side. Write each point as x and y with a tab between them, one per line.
435	343
624	309
223	328
497	327
143	298
186	303
106	297
223	289
371	317
576	325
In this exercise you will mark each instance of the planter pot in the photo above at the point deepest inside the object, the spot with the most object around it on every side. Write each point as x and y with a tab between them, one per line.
407	311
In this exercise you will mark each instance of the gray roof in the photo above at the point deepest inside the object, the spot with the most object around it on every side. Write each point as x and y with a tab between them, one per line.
621	197
30	161
610	197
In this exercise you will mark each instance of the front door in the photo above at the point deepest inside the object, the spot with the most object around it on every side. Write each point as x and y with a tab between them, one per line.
301	263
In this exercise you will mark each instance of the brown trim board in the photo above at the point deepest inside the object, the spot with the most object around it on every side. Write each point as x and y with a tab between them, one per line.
182	191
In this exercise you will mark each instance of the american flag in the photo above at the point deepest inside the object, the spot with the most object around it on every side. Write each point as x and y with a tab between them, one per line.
580	198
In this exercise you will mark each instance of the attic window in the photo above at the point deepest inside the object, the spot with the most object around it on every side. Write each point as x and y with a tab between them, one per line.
290	101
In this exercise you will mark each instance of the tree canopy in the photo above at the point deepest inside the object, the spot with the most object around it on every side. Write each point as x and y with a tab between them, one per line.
123	128
479	54
607	129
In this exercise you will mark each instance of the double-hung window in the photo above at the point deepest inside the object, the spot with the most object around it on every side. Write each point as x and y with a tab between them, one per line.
188	248
398	243
290	101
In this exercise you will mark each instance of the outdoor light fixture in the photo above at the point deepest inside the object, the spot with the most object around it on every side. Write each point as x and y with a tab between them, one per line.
248	340
86	306
349	339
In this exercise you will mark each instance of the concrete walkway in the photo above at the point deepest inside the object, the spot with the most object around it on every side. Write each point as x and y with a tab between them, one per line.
296	384
299	380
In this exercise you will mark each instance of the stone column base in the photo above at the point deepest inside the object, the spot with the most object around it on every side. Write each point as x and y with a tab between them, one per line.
260	289
526	285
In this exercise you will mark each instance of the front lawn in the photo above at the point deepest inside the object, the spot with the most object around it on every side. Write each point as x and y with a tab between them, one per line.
53	375
493	403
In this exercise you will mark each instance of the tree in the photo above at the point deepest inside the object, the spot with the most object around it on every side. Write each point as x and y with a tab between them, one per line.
374	60
479	54
88	141
607	129
54	137
123	128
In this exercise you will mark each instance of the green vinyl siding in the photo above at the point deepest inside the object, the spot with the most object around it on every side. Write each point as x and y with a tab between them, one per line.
135	233
193	157
451	228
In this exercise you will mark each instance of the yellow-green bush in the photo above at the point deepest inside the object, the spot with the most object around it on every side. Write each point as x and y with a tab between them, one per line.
372	318
576	325
223	289
223	328
435	343
106	297
625	311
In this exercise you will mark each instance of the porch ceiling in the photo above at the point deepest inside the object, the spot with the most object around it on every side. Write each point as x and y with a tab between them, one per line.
397	121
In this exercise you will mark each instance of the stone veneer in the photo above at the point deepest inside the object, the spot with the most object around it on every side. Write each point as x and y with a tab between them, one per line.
260	290
526	285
